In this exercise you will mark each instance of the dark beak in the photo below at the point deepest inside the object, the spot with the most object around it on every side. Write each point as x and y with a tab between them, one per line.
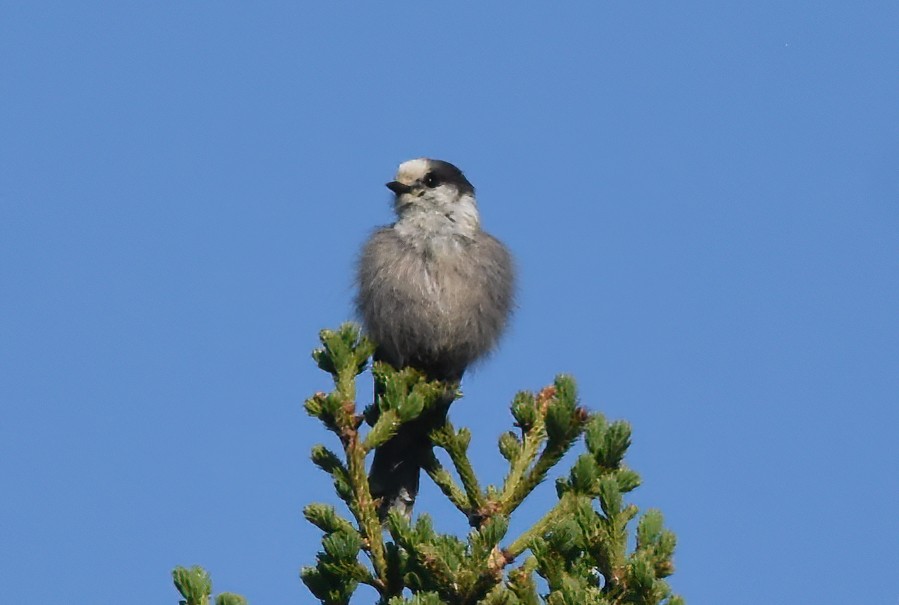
398	188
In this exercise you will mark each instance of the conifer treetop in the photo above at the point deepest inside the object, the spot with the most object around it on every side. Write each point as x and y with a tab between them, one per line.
578	548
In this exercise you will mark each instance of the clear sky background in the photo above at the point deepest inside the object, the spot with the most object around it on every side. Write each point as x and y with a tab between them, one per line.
701	197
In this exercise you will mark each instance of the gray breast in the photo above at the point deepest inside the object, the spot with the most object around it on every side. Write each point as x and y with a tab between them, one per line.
438	307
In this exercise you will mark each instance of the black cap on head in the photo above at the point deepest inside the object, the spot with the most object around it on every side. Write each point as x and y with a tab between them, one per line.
444	172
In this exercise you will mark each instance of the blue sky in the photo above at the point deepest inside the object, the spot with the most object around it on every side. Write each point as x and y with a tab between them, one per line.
702	201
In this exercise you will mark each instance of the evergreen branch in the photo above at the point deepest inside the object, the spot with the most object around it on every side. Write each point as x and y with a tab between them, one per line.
532	438
531	479
551	417
444	480
195	586
364	509
562	508
580	547
344	355
456	445
521	583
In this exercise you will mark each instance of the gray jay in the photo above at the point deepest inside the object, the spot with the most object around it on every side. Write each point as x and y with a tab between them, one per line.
434	293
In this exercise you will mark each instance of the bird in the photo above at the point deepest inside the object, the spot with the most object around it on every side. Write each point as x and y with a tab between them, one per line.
435	292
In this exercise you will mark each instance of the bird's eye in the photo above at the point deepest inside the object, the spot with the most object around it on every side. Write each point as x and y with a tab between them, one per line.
431	180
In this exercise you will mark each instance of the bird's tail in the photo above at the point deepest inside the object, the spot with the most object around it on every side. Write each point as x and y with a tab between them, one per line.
396	469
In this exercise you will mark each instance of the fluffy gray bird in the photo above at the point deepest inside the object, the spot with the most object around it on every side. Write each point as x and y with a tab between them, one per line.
434	293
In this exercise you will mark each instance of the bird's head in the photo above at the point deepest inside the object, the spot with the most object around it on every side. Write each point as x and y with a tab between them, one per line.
434	194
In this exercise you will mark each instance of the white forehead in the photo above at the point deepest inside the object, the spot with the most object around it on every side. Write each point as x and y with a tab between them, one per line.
411	171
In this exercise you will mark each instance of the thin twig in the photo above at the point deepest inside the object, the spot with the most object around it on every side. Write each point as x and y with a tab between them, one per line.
531	479
531	440
469	479
364	511
439	475
520	544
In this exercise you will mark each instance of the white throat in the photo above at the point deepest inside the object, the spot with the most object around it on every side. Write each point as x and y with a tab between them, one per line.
435	222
